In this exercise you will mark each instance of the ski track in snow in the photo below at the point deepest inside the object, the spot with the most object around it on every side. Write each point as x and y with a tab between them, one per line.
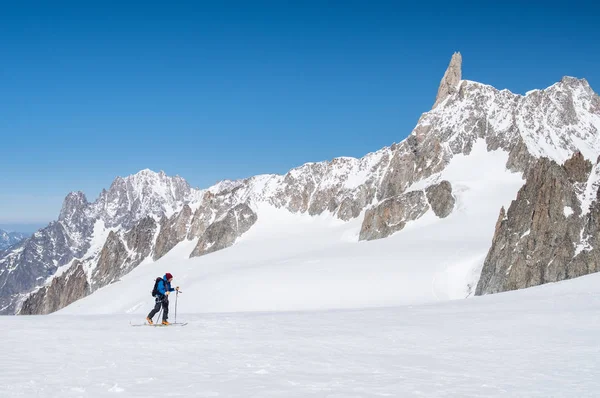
538	342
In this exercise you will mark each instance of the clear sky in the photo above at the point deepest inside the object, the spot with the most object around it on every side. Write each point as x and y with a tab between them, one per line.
224	89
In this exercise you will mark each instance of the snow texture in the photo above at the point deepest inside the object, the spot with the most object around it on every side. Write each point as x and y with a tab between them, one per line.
538	342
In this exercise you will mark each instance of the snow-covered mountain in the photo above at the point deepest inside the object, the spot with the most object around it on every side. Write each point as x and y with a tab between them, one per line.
464	160
8	239
82	230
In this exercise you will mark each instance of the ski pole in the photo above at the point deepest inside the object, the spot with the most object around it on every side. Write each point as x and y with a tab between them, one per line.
176	297
159	313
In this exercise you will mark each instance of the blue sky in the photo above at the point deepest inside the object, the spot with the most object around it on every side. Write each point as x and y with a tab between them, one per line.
215	90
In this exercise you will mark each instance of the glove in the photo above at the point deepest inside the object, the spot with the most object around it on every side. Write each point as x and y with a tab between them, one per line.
177	288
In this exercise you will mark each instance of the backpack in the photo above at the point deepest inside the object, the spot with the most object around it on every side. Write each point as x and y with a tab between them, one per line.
155	291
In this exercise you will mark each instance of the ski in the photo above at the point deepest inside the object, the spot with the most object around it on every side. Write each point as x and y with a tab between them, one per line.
158	324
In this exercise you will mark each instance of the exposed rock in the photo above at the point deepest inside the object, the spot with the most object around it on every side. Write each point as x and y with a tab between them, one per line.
451	78
140	240
172	231
114	261
204	215
587	255
113	258
536	242
392	214
440	198
73	213
134	197
519	158
223	232
298	190
578	168
464	112
121	254
351	207
29	263
62	291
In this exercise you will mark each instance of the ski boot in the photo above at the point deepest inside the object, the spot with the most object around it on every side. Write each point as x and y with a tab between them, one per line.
165	323
149	321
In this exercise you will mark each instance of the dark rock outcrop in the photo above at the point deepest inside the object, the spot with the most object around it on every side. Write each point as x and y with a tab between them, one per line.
117	258
451	78
26	265
537	240
140	240
392	214
113	258
172	231
62	291
440	198
223	232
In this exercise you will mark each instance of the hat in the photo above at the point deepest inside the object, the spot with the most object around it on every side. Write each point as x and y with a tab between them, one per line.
168	276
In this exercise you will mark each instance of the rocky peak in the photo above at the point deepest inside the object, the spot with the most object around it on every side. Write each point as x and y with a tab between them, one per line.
551	123
131	198
75	203
451	79
75	219
573	82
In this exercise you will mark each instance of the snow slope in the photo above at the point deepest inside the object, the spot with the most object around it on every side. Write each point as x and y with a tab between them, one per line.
538	342
298	262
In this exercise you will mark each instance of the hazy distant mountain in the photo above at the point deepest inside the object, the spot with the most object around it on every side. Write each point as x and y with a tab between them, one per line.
25	228
8	239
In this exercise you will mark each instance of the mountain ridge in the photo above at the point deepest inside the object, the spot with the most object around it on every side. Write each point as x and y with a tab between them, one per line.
147	207
8	239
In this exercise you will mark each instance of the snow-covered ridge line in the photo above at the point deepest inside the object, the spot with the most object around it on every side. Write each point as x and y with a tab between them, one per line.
553	122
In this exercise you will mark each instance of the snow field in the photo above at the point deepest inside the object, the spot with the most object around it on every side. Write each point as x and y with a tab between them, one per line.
538	342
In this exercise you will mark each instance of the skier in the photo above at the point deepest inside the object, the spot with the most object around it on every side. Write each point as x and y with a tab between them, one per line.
163	288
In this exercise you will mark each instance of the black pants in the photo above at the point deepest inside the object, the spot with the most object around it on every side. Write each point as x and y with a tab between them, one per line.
164	301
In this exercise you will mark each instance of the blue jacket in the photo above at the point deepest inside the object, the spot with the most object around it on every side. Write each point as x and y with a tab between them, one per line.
164	286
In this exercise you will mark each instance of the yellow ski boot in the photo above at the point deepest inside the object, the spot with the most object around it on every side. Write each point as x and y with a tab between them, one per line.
149	321
165	323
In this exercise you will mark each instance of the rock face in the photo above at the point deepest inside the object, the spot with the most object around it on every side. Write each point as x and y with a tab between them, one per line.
440	198
172	231
113	258
28	264
223	232
451	78
145	193
392	214
145	215
127	207
546	236
204	216
140	240
61	292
